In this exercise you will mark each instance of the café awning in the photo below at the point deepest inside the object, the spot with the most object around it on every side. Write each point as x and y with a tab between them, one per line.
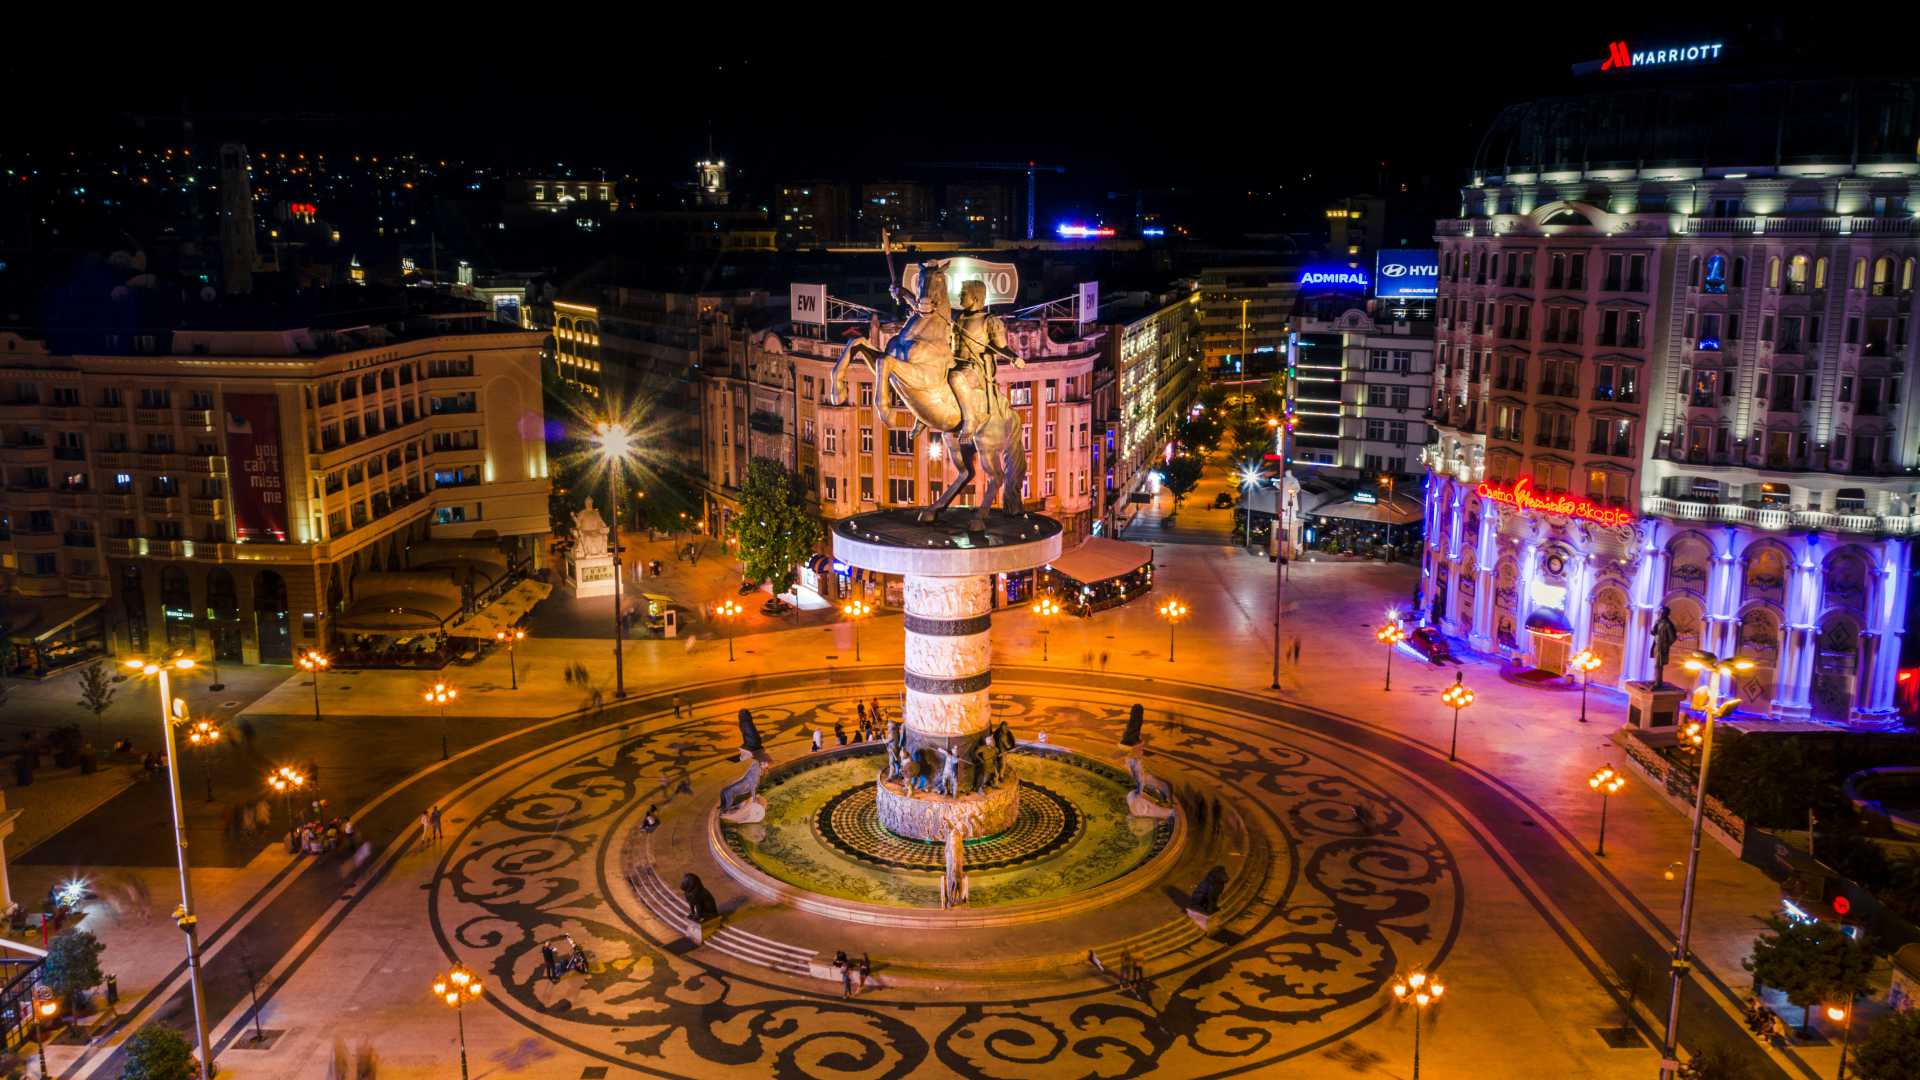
398	613
1099	559
508	609
1394	511
32	619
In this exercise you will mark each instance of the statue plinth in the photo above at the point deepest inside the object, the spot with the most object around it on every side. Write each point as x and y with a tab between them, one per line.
949	658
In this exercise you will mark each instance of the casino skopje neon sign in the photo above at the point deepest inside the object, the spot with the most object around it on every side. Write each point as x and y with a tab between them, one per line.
1521	496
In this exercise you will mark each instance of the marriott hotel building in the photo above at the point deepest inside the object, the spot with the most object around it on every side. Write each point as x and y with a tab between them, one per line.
1673	369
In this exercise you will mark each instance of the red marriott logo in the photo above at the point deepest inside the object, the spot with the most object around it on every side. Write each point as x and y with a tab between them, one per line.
1521	496
1617	56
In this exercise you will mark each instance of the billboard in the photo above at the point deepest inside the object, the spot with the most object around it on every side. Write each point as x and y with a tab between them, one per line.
255	476
1409	275
807	304
1089	305
1002	279
1336	277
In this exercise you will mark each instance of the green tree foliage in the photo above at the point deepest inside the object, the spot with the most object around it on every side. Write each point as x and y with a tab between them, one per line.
1715	1061
775	529
1251	438
1179	477
1771	780
1198	434
158	1052
72	964
1811	962
1891	1050
667	502
96	689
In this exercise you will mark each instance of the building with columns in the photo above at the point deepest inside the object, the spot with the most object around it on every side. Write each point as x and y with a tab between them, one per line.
1674	376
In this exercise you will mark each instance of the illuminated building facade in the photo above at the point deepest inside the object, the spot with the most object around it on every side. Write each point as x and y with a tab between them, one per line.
1268	293
807	215
222	492
1685	386
1156	373
1361	388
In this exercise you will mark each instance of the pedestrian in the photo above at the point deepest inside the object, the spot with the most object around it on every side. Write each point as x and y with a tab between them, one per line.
1086	659
551	959
313	774
246	731
866	972
840	733
860	708
1103	661
875	712
845	968
816	740
1296	650
426	825
435	820
676	705
649	822
1200	812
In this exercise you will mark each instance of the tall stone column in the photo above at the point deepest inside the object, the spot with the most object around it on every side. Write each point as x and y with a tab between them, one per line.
949	655
1486	560
1793	678
1719	636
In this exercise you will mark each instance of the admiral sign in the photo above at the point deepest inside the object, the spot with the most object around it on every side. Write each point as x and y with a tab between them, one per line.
1413	275
1333	278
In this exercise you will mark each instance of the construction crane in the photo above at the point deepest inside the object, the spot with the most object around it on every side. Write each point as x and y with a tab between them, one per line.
1028	167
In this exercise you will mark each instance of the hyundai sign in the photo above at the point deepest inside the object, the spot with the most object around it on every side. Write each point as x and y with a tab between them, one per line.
1335	277
1407	275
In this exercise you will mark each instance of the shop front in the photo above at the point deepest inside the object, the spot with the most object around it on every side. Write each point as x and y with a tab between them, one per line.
1363	523
48	634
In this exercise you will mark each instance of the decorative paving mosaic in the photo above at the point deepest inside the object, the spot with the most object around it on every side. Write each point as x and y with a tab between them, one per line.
851	823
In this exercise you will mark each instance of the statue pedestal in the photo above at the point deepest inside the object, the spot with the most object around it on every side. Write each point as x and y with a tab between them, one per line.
1653	705
1143	807
948	597
747	813
591	576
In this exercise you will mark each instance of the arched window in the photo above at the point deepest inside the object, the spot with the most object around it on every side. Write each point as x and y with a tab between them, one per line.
1693	272
1716	277
1859	273
1906	275
1740	272
176	603
1773	271
1797	274
1883	275
1820	273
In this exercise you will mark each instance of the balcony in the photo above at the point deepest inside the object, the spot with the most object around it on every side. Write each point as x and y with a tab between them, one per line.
109	414
126	547
79	539
1780	518
35	541
73	500
198	418
211	508
153	417
1808	226
161	505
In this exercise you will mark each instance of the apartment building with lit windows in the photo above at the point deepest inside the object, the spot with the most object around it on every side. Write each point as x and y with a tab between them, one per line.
1672	373
1156	373
232	493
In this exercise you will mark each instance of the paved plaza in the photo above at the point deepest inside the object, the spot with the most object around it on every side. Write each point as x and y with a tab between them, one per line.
1355	851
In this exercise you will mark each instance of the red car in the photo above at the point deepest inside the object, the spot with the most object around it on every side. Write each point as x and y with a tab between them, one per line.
1428	643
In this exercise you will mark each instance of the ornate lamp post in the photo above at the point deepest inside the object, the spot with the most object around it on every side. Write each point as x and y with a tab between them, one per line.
45	1008
1390	635
1249	476
1456	697
202	735
511	637
455	989
439	694
1046	609
286	780
1418	990
1584	662
314	663
727	611
1606	780
183	916
854	610
1836	1013
1172	611
1707	699
1282	429
615	445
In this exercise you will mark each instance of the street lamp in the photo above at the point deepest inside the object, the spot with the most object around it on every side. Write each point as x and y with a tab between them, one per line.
439	694
202	735
1172	611
455	989
1250	476
1390	635
1606	780
727	611
1456	697
854	610
1835	1013
1046	609
510	637
45	1008
1418	990
183	915
314	663
286	780
1712	707
1584	662
1279	533
615	445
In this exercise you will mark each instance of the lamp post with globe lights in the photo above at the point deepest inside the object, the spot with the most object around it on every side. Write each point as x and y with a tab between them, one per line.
1172	611
727	611
1418	990
615	446
286	780
1278	536
455	990
45	1008
1456	697
511	636
1836	1013
183	916
1584	662
1046	609
438	695
313	663
1711	705
1606	780
855	610
202	735
1391	635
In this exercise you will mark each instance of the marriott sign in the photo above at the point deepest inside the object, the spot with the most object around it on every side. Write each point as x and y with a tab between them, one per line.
1622	56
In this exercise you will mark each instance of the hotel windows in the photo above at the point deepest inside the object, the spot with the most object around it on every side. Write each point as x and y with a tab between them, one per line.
832	488
899	490
806	387
1050	442
832	443
900	442
866	395
866	488
807	432
866	440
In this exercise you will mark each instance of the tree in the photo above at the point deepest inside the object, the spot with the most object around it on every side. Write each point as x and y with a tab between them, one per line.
1252	438
158	1052
1811	962
96	690
1715	1061
1197	434
1771	780
1890	1049
1179	477
72	964
667	502
774	528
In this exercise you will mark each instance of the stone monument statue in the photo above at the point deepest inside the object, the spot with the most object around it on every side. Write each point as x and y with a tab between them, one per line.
740	802
750	736
1135	716
1207	895
589	532
701	905
1664	635
953	884
590	570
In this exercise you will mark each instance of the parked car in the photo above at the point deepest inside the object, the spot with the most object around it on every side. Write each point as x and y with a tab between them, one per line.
775	606
1223	501
1429	643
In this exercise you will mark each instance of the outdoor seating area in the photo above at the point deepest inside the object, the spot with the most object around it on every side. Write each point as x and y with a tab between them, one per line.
1099	574
45	635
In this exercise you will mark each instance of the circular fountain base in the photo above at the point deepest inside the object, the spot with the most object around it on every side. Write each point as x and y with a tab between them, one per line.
922	815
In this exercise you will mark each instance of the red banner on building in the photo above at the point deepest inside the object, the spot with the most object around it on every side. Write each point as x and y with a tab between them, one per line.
256	477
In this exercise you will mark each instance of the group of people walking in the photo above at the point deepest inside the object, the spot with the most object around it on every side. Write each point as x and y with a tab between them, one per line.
871	726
